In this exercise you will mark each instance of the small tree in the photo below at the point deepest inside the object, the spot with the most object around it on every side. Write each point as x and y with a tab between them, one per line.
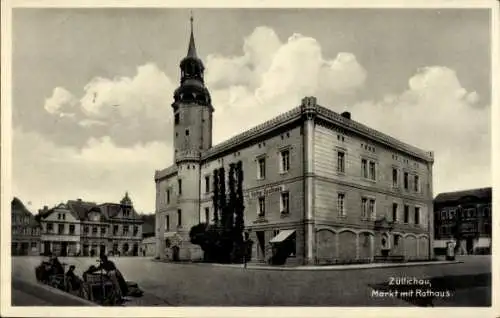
215	198
223	242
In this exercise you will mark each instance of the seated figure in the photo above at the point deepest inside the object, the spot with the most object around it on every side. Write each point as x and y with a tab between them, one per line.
74	282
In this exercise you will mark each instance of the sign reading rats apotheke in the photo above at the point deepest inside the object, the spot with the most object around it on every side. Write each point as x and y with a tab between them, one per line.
264	192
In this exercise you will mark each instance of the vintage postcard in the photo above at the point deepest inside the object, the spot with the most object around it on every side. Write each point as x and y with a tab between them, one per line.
237	159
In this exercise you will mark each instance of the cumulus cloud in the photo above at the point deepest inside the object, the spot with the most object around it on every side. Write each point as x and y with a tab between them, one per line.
61	102
100	171
437	113
121	107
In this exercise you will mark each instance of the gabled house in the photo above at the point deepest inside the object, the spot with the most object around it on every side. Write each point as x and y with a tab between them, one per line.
125	227
94	227
464	219
60	231
25	230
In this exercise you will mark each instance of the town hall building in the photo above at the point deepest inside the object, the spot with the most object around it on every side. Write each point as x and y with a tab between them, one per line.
336	190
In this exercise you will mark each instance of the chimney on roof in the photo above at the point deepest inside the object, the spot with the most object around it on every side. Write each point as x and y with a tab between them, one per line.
79	200
346	115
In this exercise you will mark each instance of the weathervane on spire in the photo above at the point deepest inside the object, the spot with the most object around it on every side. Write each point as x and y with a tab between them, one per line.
192	47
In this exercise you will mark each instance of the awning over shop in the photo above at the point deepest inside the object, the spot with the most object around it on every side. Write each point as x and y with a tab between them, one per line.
441	243
282	235
483	242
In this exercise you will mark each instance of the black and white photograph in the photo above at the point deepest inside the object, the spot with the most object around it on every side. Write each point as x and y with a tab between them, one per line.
199	155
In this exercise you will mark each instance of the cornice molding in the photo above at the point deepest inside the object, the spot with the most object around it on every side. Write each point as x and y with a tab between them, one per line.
310	110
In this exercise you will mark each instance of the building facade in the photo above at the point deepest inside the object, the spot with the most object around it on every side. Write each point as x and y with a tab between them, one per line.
81	228
463	218
60	231
337	190
25	230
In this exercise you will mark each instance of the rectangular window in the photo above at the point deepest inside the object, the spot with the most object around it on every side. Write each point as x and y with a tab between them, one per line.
177	119
396	239
417	215
416	184
373	175
364	207
115	229
406	180
207	215
395	177
262	206
340	161
364	168
50	227
285	160
64	216
207	184
371	208
285	198
179	218
452	213
167	223
33	244
71	229
407	214
340	204
168	196
179	184
60	228
103	230
394	212
94	230
136	230
444	214
125	230
262	168
86	229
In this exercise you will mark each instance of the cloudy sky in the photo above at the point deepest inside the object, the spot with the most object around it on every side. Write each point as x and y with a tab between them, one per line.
422	76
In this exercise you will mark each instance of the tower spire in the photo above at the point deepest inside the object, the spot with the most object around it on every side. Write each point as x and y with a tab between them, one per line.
192	46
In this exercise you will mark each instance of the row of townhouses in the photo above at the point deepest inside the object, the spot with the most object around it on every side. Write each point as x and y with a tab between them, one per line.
77	228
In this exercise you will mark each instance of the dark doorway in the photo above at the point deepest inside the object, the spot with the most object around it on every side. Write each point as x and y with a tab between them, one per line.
135	250
46	248
14	250
102	250
175	253
25	248
64	249
125	249
85	250
262	245
469	244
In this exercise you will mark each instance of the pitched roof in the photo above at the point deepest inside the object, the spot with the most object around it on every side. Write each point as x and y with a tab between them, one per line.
18	207
480	193
81	208
111	210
